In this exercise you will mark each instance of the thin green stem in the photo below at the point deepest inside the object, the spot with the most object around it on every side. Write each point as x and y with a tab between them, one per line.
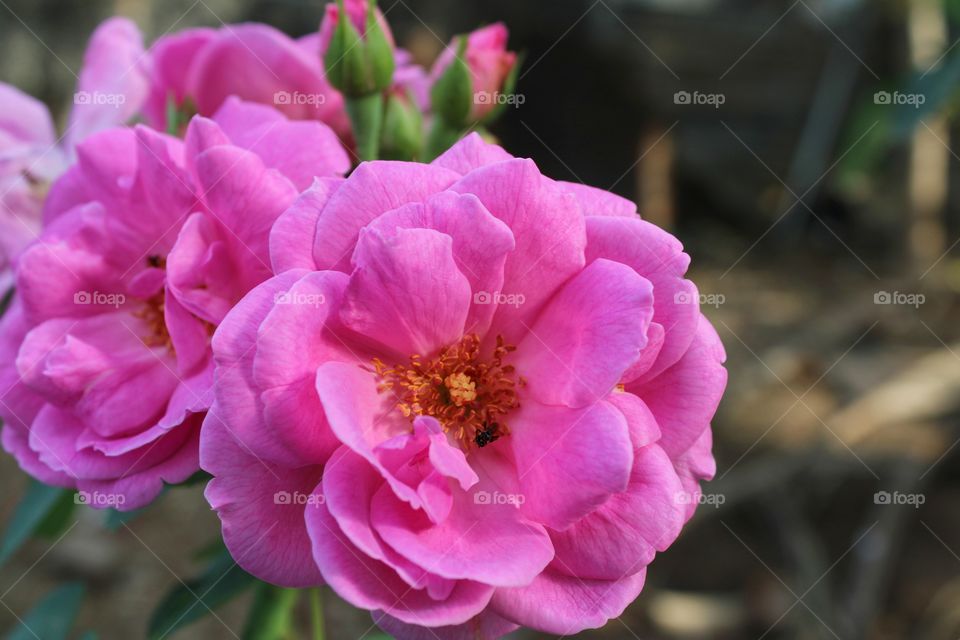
366	118
316	614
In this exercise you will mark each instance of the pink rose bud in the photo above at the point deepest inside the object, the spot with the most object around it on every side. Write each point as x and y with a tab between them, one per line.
357	52
489	63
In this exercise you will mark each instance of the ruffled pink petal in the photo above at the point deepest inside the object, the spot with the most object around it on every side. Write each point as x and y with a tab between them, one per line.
658	257
140	489
597	202
371	190
255	62
586	336
291	238
481	244
370	584
58	278
261	506
171	58
362	418
113	84
106	162
563	605
189	335
293	340
549	230
18	404
349	485
15	441
24	120
99	366
486	542
407	293
622	537
203	133
486	626
237	396
300	150
570	461
163	194
200	270
469	153
65	445
246	198
684	397
694	465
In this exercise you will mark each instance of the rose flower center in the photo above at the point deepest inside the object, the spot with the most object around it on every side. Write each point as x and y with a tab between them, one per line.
152	315
468	394
152	312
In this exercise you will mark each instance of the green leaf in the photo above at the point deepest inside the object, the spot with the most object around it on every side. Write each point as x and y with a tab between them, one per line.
59	517
37	504
451	97
271	617
882	123
222	581
52	618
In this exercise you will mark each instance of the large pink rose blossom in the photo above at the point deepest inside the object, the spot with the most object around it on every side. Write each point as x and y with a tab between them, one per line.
473	398
105	360
490	64
110	91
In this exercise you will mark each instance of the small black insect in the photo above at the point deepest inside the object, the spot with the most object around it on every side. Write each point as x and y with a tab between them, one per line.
488	434
155	261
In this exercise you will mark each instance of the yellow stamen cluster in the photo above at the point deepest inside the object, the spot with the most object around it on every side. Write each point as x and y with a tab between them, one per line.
152	315
466	393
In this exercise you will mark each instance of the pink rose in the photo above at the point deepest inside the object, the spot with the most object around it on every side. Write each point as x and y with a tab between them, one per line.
199	68
472	398
110	91
149	241
489	62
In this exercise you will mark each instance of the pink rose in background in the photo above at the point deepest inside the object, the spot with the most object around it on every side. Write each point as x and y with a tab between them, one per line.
149	240
489	62
110	91
198	69
29	159
472	398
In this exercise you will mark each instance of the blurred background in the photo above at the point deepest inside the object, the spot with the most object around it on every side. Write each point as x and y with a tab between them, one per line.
804	152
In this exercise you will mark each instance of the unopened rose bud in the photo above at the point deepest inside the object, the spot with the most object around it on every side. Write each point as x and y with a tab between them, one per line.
358	48
490	69
402	137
